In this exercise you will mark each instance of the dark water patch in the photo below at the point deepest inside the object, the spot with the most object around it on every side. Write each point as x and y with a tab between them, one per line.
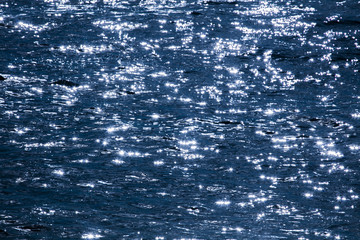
126	92
342	22
34	228
195	13
226	122
6	25
4	233
288	55
221	2
65	83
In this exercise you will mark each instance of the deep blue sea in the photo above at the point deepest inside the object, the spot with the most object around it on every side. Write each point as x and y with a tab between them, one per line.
174	119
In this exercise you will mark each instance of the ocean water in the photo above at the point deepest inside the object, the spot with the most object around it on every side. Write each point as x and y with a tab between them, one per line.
174	119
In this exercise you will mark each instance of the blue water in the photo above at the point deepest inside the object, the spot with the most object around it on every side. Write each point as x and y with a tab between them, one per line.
179	119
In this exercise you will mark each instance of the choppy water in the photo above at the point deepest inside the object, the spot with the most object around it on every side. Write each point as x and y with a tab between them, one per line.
191	119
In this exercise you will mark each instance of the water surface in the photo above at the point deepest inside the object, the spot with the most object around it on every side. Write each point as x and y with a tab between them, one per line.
185	119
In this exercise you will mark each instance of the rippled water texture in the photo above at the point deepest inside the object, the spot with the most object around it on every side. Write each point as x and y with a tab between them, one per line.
179	119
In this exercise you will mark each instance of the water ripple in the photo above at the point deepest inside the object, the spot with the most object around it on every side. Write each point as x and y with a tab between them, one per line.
138	119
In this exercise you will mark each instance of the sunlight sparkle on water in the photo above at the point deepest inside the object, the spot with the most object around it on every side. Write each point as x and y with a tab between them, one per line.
31	27
130	154
158	163
91	236
155	116
308	195
118	161
158	74
113	129
59	172
118	26
354	147
355	115
223	202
